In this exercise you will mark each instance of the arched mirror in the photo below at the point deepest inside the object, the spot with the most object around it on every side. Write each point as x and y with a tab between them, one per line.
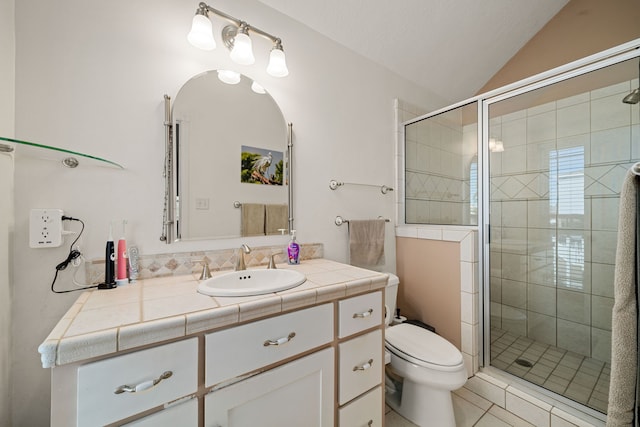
230	162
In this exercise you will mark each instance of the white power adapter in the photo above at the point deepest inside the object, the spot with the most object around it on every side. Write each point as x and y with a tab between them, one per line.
45	228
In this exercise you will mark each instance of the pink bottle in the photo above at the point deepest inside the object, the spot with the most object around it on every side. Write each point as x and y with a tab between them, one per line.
121	273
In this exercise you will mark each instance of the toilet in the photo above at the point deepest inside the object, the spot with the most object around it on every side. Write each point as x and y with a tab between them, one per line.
424	368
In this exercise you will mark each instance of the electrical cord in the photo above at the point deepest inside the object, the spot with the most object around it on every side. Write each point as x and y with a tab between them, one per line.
73	255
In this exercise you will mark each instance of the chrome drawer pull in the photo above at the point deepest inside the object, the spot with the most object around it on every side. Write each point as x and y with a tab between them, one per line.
363	314
280	341
363	367
370	423
143	385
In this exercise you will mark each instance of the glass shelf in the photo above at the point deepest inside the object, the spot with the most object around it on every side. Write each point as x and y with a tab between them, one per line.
68	158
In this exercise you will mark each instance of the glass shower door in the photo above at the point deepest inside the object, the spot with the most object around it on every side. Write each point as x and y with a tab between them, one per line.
558	156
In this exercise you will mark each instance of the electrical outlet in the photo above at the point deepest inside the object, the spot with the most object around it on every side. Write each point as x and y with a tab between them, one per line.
45	228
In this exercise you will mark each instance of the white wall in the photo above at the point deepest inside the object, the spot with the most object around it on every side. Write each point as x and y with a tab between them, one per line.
92	79
7	79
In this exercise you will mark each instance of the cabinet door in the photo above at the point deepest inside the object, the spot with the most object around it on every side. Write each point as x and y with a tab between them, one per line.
299	393
183	415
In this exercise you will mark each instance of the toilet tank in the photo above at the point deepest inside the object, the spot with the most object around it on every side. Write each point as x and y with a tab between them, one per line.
391	294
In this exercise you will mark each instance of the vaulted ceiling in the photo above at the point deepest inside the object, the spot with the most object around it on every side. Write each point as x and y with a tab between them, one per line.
451	47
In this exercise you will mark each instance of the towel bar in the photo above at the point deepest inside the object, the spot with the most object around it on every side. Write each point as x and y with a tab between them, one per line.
339	220
333	184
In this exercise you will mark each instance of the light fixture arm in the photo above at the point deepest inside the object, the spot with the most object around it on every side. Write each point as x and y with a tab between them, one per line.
203	8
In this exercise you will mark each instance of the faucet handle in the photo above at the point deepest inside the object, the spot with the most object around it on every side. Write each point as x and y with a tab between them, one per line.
272	261
206	273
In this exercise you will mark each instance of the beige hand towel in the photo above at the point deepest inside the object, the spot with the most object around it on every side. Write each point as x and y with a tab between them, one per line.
252	219
366	242
624	338
276	218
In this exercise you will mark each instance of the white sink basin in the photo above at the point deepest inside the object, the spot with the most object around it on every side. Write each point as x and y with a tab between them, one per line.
251	282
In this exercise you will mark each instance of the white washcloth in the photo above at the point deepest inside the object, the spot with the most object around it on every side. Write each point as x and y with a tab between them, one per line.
624	335
366	242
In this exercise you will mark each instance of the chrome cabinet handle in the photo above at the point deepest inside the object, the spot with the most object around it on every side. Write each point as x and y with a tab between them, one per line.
370	423
143	385
280	341
364	366
363	314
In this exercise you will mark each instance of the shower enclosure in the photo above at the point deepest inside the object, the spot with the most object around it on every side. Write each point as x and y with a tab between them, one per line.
543	182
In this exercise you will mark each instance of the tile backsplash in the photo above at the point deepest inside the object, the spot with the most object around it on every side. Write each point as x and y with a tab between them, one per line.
182	263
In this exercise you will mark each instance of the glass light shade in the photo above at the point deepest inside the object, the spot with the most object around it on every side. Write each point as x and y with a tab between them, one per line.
242	52
229	77
201	34
257	88
277	63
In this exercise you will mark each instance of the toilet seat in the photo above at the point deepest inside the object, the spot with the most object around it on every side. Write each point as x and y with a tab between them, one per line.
422	347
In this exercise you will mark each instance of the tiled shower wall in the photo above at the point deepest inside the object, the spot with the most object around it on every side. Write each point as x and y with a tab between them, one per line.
439	154
552	262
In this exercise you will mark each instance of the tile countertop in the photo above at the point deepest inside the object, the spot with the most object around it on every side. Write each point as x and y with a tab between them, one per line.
150	311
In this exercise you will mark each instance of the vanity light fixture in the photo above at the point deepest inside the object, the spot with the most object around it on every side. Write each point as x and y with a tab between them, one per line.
236	38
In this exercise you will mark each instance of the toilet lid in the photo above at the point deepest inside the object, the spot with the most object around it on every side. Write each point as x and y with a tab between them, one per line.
423	345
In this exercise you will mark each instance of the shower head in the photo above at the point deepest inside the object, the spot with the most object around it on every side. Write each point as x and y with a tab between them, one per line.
633	97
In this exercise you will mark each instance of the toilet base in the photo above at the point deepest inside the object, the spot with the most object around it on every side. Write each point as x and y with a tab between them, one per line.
423	406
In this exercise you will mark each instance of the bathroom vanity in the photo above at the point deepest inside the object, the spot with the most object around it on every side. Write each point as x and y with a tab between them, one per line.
157	353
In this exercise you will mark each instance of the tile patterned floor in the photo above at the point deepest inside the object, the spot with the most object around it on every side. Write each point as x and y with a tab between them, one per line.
569	374
470	410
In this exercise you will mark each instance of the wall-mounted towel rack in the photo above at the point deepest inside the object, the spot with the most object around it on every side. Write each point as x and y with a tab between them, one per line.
636	168
237	204
339	220
333	184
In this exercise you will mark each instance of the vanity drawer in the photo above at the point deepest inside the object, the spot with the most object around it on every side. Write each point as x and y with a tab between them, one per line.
101	395
359	313
365	411
245	348
360	365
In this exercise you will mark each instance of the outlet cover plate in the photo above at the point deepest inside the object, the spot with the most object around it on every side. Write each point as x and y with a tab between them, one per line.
45	228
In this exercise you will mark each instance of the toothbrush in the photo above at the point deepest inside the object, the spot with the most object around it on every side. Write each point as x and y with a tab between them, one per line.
122	278
109	283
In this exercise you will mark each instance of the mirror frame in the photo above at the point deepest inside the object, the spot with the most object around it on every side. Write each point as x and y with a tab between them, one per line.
171	206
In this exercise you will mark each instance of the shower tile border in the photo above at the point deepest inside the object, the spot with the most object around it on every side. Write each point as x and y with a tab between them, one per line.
530	406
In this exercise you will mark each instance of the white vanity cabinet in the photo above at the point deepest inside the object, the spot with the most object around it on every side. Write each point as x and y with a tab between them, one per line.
317	364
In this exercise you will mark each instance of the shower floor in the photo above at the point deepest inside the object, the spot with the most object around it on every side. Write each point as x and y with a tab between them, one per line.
572	375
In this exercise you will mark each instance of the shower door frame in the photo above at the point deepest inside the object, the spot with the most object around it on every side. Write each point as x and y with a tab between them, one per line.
577	68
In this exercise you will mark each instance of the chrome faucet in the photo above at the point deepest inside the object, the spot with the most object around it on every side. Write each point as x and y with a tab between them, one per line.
244	249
